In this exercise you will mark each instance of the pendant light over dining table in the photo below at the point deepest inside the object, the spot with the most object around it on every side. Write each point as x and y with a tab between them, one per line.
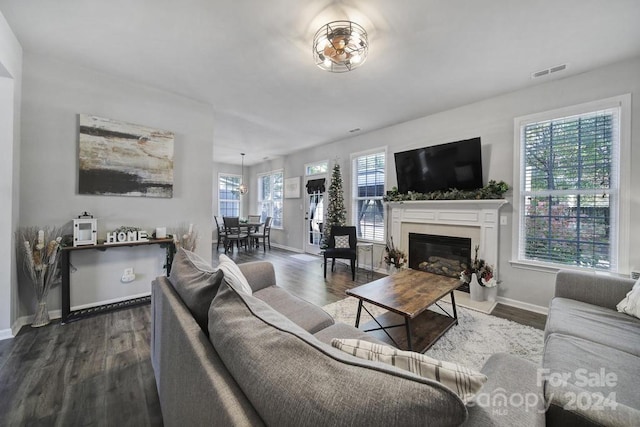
243	188
340	46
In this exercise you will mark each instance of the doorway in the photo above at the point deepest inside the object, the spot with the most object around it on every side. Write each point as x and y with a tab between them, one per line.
314	213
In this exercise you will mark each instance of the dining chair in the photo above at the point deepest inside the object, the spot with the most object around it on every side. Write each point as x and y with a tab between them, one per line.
342	245
253	231
265	234
233	233
220	230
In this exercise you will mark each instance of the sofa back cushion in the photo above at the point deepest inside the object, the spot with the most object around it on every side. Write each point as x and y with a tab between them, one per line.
196	282
291	378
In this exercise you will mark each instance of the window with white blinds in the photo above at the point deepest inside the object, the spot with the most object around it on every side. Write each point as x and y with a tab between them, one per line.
228	195
569	193
368	190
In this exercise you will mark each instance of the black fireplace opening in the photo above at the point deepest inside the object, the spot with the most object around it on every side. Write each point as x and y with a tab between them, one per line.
443	255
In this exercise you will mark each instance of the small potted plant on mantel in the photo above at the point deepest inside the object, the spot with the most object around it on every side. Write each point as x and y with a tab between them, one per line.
479	276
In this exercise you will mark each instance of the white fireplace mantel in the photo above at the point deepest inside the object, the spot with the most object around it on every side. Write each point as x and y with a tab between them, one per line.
481	214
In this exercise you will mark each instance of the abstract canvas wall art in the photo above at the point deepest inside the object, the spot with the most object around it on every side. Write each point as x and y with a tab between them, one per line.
124	159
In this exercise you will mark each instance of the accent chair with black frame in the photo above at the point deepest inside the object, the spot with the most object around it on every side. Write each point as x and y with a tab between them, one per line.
342	245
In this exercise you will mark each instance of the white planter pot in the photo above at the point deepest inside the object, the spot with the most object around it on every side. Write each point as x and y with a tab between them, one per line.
491	293
475	290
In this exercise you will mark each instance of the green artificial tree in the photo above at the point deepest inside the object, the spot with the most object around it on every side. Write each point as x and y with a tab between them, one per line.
336	212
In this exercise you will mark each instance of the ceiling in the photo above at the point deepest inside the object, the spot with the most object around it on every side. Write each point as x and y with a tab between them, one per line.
251	59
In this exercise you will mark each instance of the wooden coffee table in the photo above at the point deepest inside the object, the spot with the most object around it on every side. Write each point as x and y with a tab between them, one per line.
408	294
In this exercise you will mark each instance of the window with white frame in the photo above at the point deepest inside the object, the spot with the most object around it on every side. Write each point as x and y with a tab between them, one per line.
368	190
316	168
229	195
270	197
570	189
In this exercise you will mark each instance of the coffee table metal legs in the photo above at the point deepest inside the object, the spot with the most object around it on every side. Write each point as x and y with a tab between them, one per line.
453	304
359	312
380	327
409	339
406	324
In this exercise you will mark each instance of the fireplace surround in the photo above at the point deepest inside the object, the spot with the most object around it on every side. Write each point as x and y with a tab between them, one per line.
477	220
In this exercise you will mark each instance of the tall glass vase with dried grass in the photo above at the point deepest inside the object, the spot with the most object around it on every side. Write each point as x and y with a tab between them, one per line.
38	253
185	237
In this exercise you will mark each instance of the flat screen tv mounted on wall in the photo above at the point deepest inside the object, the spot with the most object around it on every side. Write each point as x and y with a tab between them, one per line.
440	167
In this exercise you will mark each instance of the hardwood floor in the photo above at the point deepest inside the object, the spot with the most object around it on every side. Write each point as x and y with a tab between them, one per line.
97	371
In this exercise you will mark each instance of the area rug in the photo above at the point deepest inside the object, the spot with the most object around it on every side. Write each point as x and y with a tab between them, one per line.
305	257
476	337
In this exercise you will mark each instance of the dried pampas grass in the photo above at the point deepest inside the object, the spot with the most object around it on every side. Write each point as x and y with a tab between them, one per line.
185	236
38	250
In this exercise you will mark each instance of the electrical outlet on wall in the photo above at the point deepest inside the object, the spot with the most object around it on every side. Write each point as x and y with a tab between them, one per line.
128	275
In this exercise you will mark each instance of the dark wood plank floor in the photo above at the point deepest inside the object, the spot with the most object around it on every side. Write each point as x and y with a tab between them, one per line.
97	371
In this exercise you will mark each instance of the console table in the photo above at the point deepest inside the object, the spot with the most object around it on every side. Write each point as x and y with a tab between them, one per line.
65	269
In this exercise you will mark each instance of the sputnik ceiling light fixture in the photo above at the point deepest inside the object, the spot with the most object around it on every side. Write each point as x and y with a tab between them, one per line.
243	188
340	46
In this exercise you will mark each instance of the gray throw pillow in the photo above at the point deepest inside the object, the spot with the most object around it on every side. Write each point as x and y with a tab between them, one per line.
197	283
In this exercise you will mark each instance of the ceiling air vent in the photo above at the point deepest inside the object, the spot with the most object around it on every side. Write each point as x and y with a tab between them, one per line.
548	71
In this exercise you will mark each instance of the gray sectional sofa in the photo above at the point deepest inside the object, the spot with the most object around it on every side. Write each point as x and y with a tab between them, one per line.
266	359
591	363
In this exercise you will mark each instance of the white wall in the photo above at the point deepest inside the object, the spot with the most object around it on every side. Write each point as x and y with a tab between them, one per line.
54	94
493	121
10	101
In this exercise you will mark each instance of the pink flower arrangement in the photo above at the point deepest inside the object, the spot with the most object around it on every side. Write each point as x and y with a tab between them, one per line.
483	271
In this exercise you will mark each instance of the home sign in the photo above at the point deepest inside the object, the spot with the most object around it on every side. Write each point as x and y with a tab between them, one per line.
126	237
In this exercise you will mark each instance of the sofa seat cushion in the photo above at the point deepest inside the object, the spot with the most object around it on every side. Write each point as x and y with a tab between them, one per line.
594	323
580	376
293	379
309	317
498	404
341	330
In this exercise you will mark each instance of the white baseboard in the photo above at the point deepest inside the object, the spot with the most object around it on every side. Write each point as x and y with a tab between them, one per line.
523	305
110	301
57	314
25	321
5	334
286	248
